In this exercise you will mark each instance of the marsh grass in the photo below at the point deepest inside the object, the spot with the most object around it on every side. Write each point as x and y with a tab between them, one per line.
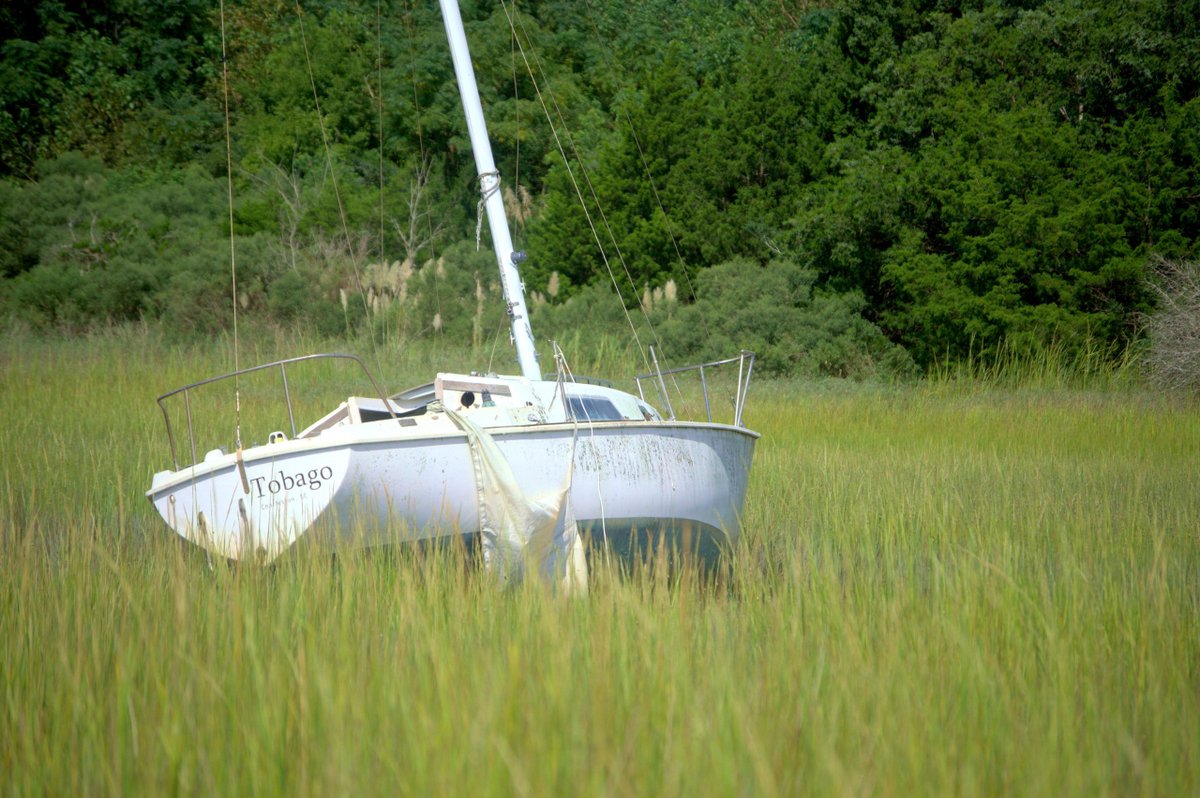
966	586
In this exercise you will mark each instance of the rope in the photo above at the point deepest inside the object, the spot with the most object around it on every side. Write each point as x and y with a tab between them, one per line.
562	368
484	196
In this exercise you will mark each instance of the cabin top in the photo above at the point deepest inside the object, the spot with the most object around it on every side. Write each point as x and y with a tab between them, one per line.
493	401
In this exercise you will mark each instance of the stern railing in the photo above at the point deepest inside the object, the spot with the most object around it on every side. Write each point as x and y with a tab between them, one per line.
282	365
745	361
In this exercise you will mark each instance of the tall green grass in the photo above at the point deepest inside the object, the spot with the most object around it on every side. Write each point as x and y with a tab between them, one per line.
965	586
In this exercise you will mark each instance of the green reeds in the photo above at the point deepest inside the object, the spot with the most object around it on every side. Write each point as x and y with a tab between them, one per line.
955	587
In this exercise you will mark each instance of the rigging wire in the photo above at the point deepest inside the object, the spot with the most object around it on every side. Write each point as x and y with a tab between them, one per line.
423	170
237	387
412	61
600	208
670	228
604	218
650	178
424	161
312	80
383	260
516	178
575	184
517	108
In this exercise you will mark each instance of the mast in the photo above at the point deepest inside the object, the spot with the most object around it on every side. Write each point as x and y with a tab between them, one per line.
489	188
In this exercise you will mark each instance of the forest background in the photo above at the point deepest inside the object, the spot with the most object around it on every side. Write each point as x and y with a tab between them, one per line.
849	188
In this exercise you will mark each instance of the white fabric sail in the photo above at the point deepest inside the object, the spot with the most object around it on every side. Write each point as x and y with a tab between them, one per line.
523	534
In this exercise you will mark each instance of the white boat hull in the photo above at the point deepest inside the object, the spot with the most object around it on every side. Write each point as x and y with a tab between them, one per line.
470	450
377	484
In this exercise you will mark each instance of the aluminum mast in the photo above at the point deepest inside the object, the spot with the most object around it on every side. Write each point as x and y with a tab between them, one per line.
489	187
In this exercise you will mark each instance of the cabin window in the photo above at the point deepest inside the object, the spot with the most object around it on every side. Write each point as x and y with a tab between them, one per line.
368	416
591	408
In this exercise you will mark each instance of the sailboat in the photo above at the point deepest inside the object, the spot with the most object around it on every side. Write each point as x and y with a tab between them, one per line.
520	460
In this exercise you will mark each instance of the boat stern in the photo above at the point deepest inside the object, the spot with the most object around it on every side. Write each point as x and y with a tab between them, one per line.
249	509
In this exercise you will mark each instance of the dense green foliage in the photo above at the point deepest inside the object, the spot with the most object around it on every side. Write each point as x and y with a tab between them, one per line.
952	175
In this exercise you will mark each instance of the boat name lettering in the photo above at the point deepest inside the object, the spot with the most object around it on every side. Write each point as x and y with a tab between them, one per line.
311	480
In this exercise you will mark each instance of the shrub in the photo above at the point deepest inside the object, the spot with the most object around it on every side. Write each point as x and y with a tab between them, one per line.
456	297
776	310
773	309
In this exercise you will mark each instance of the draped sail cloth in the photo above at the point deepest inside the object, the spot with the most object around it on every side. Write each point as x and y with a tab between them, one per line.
523	534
